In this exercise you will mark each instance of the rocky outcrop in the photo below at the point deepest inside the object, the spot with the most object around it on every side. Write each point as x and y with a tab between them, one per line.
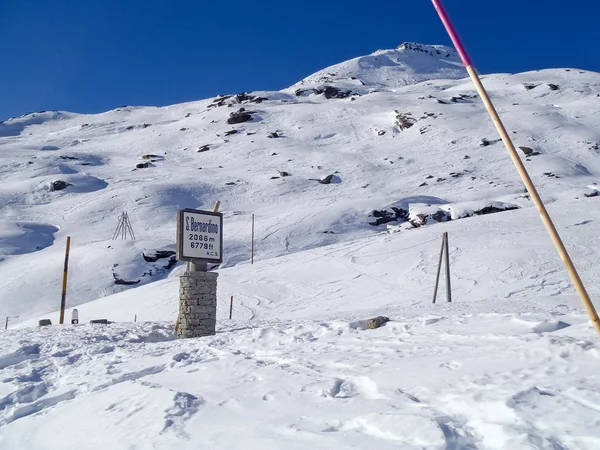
404	121
528	151
420	219
155	255
59	185
326	180
241	98
376	322
328	92
240	116
383	216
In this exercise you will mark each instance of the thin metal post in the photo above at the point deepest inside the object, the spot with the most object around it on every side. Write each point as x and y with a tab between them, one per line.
252	252
63	299
6	323
448	288
439	269
135	318
535	197
231	307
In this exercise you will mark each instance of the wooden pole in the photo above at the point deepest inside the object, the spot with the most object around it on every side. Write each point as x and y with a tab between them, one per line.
63	299
448	288
535	198
6	323
135	318
252	252
439	269
231	307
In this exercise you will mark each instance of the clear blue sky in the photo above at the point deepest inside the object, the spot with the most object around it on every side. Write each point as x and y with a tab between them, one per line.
91	56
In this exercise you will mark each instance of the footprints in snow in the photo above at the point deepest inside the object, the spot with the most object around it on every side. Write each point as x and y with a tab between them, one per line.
185	405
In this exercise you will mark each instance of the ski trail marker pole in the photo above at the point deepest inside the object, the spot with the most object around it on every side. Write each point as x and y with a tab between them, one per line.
535	197
63	298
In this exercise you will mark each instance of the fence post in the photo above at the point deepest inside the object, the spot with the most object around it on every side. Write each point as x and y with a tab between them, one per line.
439	269
448	289
63	298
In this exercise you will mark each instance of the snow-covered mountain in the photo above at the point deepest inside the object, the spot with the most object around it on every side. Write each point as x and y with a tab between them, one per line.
408	64
352	173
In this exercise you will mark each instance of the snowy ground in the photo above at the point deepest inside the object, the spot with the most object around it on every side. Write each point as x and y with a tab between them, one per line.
510	364
440	381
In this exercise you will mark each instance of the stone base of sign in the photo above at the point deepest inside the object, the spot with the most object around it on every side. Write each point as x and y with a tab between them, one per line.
197	304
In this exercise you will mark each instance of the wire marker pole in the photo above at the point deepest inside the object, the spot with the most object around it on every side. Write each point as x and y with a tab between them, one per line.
537	201
63	299
439	269
448	288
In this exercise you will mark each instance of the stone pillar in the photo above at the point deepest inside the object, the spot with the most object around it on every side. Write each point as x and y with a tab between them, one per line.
197	304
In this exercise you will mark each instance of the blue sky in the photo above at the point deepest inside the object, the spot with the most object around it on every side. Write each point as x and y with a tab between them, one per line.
91	56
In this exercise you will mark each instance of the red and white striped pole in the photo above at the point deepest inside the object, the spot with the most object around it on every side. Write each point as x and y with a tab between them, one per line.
537	201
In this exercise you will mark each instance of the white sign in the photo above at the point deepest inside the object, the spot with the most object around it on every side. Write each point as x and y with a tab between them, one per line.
199	236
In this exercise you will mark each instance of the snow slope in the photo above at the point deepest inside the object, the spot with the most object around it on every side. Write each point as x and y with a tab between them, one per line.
511	363
375	166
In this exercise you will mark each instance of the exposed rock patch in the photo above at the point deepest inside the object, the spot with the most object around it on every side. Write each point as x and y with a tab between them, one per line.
59	185
240	116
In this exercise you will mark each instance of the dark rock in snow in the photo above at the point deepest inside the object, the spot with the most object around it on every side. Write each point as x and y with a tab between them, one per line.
326	180
422	219
124	282
144	165
70	158
385	216
229	133
44	322
376	322
283	174
59	185
273	135
204	148
239	116
529	86
380	132
485	142
158	254
403	121
553	87
151	156
494	209
330	92
99	322
528	151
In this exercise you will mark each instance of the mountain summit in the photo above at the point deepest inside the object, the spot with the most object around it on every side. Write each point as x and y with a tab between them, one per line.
410	63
